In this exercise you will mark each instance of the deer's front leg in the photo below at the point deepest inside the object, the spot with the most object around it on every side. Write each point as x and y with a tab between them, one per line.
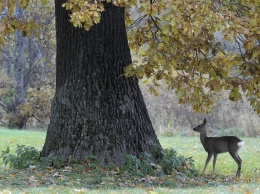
207	161
214	161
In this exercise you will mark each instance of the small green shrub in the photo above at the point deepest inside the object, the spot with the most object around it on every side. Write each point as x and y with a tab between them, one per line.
55	161
25	156
147	165
168	163
171	163
131	163
91	160
141	166
157	152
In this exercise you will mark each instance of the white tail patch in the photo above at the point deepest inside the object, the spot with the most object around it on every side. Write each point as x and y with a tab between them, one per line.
240	144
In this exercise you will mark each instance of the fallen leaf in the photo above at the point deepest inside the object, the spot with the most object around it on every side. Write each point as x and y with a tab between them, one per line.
12	175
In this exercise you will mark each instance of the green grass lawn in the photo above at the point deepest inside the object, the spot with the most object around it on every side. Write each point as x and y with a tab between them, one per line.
11	137
187	146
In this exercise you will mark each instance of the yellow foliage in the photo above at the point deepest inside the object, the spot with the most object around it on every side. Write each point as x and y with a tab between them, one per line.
84	13
176	42
37	104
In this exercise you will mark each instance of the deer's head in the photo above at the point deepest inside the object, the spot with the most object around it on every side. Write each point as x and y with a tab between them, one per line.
200	127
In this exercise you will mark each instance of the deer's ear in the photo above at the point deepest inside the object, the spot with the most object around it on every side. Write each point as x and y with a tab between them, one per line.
205	121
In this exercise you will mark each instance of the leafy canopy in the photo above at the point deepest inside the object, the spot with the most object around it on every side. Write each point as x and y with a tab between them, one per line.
177	42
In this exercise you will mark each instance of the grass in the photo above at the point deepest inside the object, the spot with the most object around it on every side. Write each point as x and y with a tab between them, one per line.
12	137
61	181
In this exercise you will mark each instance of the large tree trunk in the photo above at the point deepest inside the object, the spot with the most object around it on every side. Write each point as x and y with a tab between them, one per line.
96	109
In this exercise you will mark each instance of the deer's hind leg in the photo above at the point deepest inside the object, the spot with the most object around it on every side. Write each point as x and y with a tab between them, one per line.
238	160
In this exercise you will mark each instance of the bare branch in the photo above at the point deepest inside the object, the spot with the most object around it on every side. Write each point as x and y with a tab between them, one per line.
4	106
137	22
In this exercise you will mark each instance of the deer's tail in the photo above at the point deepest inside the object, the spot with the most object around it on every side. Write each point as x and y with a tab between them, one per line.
240	144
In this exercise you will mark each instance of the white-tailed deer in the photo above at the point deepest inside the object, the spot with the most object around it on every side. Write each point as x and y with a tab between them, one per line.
217	145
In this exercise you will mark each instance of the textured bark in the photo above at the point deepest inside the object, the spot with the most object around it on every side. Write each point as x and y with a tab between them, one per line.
96	109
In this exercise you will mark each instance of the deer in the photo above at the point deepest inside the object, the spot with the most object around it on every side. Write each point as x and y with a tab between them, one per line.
216	145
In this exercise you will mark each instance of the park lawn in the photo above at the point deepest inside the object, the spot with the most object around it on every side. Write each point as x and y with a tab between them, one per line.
187	146
12	137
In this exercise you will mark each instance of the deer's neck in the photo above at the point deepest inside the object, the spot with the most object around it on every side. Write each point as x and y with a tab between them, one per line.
203	137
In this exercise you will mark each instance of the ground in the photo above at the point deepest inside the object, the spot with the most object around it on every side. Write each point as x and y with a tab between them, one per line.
93	179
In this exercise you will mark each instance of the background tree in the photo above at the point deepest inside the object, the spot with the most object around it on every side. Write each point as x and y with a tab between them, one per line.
175	42
26	61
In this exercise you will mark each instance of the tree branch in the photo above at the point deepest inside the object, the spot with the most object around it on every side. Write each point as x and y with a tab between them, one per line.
137	21
4	106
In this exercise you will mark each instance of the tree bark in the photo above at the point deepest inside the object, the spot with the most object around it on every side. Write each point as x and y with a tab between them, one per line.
96	109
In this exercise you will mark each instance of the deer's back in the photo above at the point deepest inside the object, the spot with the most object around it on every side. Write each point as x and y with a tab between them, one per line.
221	144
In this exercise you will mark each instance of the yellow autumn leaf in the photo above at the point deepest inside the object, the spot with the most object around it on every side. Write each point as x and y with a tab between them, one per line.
12	175
221	54
248	45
